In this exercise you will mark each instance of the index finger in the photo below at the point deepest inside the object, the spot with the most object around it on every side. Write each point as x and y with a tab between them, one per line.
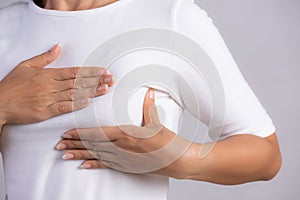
79	72
99	134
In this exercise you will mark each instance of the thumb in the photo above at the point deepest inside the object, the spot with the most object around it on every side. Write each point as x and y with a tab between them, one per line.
150	115
43	59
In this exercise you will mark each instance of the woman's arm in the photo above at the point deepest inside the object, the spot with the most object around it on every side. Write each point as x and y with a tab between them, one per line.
234	160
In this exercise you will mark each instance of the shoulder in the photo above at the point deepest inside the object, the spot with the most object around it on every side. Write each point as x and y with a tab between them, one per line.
7	3
12	7
11	12
188	15
192	21
11	15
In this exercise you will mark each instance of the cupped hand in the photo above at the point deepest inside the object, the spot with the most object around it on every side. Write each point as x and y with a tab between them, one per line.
128	148
31	93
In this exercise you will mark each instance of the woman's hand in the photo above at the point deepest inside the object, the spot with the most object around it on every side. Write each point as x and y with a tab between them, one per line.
151	148
30	93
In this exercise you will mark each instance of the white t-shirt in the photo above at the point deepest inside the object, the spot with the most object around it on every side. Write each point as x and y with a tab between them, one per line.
34	170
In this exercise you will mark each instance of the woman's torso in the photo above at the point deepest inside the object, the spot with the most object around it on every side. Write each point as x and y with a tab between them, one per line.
34	170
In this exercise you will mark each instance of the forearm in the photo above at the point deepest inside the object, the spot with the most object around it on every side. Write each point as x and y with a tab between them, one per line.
1	126
235	160
2	123
2	116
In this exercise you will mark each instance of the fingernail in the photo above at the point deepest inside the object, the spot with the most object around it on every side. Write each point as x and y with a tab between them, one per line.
86	166
102	88
108	72
68	156
54	49
151	94
67	136
61	146
84	101
108	79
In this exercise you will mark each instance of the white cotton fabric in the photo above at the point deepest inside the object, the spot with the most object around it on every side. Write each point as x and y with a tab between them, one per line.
34	170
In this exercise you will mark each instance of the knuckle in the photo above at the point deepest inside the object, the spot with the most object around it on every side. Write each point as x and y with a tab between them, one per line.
80	82
71	94
96	165
45	57
24	63
97	154
73	72
70	144
47	61
62	107
70	83
80	155
96	136
89	145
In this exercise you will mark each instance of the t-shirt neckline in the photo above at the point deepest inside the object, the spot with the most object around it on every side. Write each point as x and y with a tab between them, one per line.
43	11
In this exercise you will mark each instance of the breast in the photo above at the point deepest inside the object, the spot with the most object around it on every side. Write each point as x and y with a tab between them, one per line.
35	170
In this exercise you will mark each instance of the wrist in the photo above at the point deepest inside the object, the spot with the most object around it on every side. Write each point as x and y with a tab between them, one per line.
190	162
2	122
2	117
185	166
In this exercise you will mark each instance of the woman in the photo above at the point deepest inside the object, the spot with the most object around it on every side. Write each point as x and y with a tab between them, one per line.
248	151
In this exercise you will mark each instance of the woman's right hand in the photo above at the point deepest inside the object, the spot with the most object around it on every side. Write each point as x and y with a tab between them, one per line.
30	93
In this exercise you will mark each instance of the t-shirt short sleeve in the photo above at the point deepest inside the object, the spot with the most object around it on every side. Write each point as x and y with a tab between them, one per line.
5	3
244	114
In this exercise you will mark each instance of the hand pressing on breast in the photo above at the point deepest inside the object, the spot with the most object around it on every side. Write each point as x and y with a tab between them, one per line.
128	148
31	93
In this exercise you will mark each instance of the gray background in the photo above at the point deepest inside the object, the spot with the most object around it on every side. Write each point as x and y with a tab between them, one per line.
264	38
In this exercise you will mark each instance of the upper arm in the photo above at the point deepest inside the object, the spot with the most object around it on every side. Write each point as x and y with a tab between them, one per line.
243	111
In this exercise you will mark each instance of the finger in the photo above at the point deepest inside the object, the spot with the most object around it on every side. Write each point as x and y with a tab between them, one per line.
86	145
107	79
73	84
72	144
88	155
78	72
80	83
77	83
94	81
99	134
79	155
93	164
150	115
43	59
73	94
62	107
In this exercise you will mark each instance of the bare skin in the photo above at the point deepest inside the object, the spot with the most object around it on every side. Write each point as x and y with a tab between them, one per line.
30	93
237	159
234	160
72	5
44	93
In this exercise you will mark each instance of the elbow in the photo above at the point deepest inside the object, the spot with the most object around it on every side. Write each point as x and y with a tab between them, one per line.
273	158
273	166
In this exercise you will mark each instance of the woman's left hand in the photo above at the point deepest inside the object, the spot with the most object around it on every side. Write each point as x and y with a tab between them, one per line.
128	148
